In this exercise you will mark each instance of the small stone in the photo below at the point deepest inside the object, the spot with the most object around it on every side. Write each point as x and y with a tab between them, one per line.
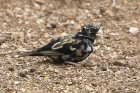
114	34
63	34
87	65
10	68
8	89
53	25
2	39
133	30
94	84
16	82
72	22
32	69
56	82
39	21
39	2
27	22
104	68
89	88
70	83
48	26
53	38
134	7
23	90
51	69
120	63
102	10
56	70
46	35
110	13
22	73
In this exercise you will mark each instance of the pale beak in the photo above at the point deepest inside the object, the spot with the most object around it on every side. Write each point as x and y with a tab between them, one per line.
99	33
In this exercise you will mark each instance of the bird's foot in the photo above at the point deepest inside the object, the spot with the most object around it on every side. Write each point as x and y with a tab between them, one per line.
79	64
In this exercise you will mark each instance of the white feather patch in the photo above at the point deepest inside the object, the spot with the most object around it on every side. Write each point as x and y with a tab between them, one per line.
88	49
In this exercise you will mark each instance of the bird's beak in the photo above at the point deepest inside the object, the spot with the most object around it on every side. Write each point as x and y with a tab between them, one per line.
99	33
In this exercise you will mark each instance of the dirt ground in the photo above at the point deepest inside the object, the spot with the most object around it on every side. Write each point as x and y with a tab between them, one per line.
113	67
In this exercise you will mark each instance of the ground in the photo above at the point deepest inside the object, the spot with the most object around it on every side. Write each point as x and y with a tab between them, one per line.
113	67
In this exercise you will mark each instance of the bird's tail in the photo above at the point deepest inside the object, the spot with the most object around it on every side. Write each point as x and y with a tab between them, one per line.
28	53
35	52
22	53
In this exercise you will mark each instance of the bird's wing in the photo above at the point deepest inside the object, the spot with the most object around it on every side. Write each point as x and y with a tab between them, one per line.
61	46
65	45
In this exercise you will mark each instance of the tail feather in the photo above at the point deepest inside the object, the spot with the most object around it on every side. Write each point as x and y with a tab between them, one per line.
36	53
27	53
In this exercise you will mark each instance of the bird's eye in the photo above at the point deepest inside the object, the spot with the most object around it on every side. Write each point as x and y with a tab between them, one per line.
83	29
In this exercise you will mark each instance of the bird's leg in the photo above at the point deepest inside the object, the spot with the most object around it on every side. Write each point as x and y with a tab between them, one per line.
79	64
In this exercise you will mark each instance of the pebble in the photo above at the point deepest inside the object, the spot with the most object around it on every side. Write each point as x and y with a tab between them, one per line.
16	82
48	26
53	25
2	39
10	68
89	88
63	34
32	69
56	70
46	35
114	34
87	65
72	22
110	13
8	89
70	83
133	30
119	63
23	90
50	68
104	68
94	84
22	73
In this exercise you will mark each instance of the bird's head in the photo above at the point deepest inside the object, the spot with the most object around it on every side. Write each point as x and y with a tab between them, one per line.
90	31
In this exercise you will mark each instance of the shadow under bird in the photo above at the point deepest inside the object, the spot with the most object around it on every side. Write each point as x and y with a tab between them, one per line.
69	49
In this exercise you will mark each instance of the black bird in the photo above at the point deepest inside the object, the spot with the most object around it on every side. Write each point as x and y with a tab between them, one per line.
69	49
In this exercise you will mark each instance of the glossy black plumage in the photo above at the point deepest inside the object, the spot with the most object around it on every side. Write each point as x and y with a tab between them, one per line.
69	48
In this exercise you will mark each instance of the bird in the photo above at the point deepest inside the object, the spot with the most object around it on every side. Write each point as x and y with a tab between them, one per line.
71	49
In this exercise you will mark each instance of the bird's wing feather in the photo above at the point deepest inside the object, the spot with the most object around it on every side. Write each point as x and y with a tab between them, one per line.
61	46
65	45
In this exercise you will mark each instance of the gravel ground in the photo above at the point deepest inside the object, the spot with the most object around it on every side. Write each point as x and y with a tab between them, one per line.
113	67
